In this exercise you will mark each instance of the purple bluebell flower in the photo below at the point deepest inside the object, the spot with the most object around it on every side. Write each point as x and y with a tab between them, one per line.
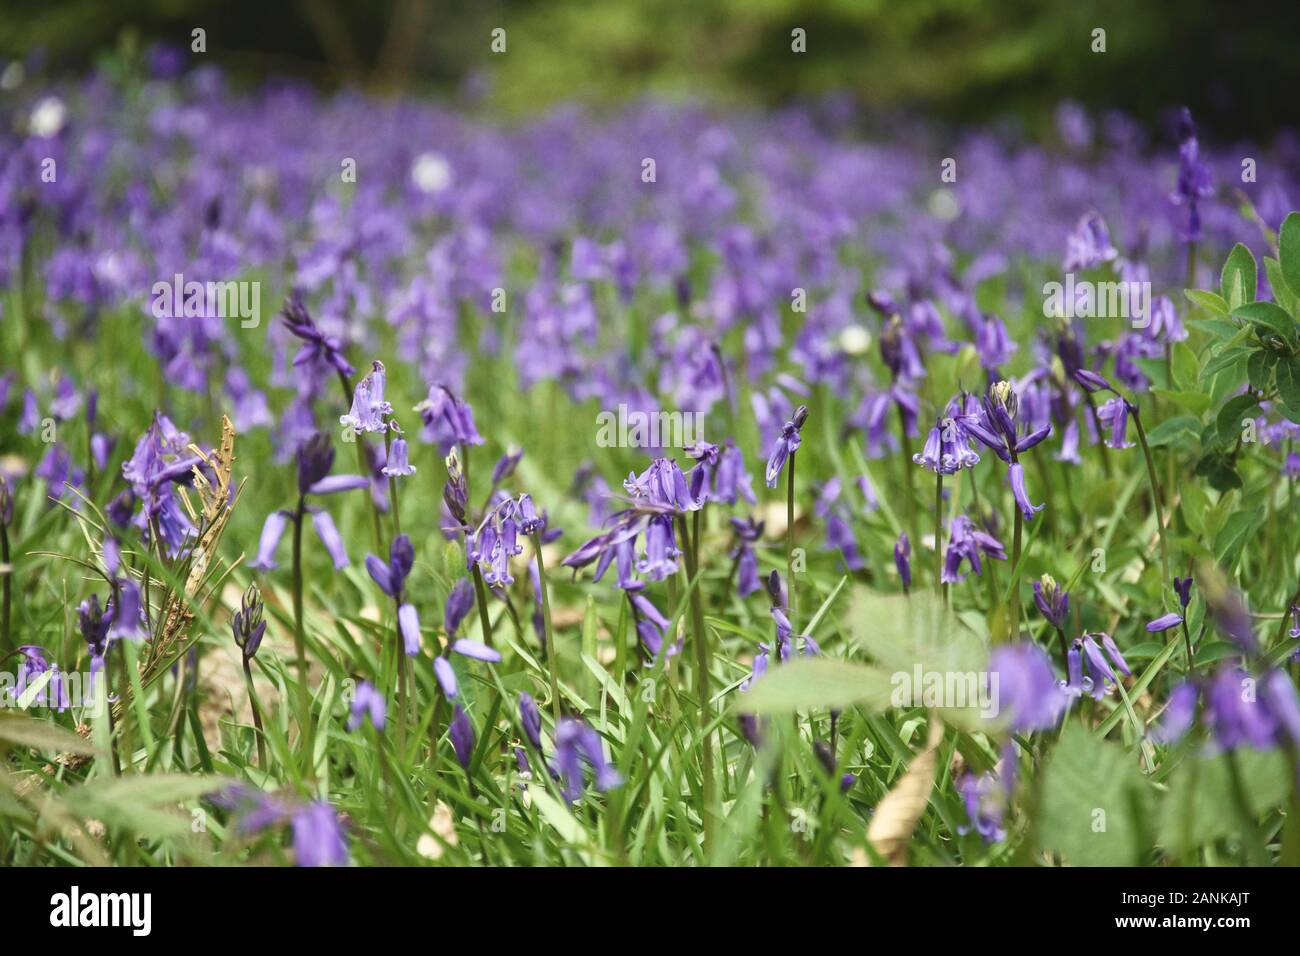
663	486
985	800
448	421
998	425
460	601
1178	715
1114	414
747	532
575	744
1164	623
247	624
368	703
1092	382
1183	587
506	465
391	578
1089	245
398	464
329	536
1075	684
787	443
1194	182
531	719
965	543
947	448
272	532
1052	602
318	836
1235	713
446	676
462	737
1099	668
476	650
1028	691
317	347
903	559
315	459
1016	477
370	409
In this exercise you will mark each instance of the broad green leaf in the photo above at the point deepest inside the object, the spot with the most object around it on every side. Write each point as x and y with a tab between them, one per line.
1259	368
1194	501
1268	317
1288	384
43	735
1195	402
815	683
1234	534
1174	429
900	631
1093	802
1282	293
1210	301
1187	367
1230	417
1289	251
1198	807
1237	282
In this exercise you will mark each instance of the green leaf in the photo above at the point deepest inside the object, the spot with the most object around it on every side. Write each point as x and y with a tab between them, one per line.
1172	429
1220	471
1288	384
1210	301
1233	535
1195	402
1289	251
816	683
1225	359
1197	808
1187	367
1268	317
1259	368
43	735
1232	414
1282	294
1193	503
900	631
1238	280
1219	328
1094	802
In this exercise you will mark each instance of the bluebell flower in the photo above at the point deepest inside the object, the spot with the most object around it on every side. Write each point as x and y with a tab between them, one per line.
368	703
787	443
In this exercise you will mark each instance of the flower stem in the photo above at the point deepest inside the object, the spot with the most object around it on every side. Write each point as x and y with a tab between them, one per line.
480	598
1016	536
392	484
1155	495
299	631
700	637
552	652
789	535
257	714
939	589
1096	424
5	586
403	686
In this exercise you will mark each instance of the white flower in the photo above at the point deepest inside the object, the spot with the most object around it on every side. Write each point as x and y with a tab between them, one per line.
48	117
431	173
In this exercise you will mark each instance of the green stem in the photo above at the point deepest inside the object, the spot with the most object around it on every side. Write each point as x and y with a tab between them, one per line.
480	595
552	652
939	589
789	535
299	630
5	578
257	715
1155	495
700	638
1016	536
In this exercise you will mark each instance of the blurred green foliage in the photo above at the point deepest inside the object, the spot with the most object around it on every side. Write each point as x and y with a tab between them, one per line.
957	59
